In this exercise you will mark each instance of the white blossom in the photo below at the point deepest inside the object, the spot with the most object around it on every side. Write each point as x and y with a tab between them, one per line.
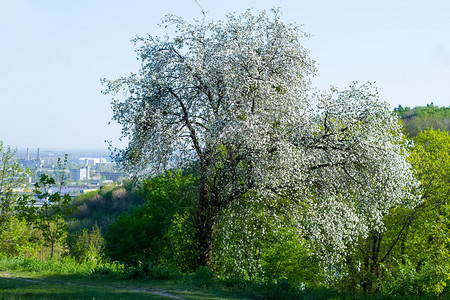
235	96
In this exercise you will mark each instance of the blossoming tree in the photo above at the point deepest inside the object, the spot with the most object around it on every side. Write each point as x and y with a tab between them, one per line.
234	96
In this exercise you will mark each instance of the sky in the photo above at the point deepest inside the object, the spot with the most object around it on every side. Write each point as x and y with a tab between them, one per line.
54	53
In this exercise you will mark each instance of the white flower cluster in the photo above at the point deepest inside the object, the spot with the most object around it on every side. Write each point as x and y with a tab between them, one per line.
234	96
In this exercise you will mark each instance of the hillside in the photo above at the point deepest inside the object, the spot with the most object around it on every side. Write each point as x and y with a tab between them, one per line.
424	117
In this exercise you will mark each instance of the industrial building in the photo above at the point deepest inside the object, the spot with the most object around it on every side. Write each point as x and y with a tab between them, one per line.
31	163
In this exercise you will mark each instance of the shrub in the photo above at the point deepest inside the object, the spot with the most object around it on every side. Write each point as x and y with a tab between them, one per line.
161	230
87	245
164	273
147	271
181	246
203	276
17	239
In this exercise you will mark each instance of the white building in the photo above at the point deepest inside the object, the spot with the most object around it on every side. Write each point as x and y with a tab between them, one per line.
92	161
80	174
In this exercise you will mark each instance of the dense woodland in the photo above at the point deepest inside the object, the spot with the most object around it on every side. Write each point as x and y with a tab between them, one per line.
238	178
423	117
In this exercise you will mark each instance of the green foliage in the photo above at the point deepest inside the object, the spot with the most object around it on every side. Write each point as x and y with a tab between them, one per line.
12	177
148	271
363	271
65	266
103	207
243	232
87	245
292	260
16	238
412	255
406	279
164	273
429	242
200	285
203	276
134	237
181	244
420	111
251	244
161	230
424	117
50	216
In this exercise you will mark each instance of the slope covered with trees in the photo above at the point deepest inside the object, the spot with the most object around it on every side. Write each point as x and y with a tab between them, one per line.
424	117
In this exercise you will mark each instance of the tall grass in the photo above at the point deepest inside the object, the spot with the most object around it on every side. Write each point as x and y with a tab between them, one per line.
203	280
64	266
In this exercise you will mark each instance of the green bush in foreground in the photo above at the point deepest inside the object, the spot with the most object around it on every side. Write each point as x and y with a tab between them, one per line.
87	245
161	230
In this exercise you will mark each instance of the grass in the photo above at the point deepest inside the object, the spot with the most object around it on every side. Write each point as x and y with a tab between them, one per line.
21	289
60	288
22	278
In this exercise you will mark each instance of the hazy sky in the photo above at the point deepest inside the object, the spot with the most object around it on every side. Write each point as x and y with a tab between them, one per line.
53	54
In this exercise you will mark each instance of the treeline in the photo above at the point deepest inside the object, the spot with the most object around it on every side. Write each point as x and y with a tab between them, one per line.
423	117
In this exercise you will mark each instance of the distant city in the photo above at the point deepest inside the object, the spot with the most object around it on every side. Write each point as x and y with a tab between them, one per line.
84	170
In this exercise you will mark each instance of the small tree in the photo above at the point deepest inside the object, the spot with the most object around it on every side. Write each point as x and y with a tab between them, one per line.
50	214
87	245
12	177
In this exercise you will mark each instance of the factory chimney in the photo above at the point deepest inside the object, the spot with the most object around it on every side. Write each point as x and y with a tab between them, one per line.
28	153
38	154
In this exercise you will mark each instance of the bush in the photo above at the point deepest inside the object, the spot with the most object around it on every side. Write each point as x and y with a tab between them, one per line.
66	266
87	245
109	270
147	271
17	238
406	279
161	230
203	276
181	246
164	273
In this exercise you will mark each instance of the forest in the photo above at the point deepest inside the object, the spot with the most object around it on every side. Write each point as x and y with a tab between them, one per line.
248	179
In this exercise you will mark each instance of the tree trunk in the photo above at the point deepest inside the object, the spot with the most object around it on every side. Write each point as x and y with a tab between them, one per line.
206	218
375	267
52	246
